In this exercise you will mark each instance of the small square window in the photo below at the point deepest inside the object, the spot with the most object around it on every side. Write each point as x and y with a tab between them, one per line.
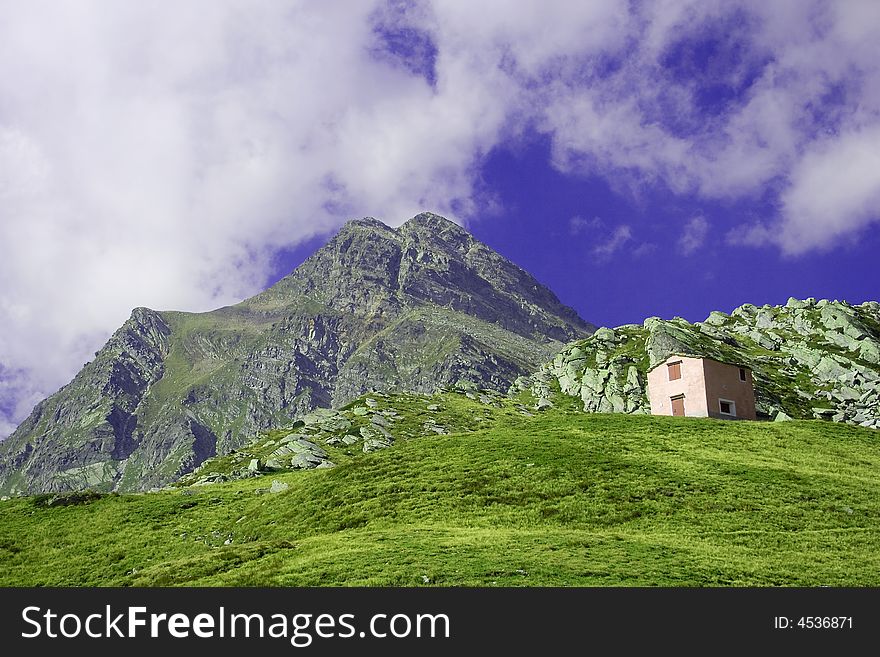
727	407
674	371
742	374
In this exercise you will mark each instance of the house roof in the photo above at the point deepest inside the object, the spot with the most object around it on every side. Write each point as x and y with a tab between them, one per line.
678	355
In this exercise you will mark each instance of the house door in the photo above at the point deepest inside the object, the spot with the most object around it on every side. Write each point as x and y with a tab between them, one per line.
677	405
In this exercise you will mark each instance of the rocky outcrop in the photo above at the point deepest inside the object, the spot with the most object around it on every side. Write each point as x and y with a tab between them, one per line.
372	422
810	359
87	431
413	308
605	371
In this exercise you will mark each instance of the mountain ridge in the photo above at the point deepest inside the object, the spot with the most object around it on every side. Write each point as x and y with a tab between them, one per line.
414	309
409	308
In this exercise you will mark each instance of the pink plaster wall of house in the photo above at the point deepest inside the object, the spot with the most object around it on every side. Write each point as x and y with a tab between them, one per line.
701	387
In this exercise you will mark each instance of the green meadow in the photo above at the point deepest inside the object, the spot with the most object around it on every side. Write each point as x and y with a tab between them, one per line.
559	499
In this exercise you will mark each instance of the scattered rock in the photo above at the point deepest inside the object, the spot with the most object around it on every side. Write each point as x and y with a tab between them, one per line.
870	352
717	318
278	486
212	478
306	461
828	369
845	393
335	424
373	444
782	416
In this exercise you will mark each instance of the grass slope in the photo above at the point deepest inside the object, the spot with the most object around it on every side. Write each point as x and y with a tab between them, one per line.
562	498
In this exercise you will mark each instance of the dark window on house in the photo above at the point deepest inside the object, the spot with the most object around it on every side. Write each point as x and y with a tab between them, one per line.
674	371
725	407
742	374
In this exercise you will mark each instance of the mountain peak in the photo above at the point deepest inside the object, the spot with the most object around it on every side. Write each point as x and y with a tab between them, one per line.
414	308
431	219
367	222
422	221
369	269
436	228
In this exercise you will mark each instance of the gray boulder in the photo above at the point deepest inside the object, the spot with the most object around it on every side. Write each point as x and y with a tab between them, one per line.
278	486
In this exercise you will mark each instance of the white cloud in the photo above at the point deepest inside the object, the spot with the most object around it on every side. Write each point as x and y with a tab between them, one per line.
816	84
644	249
693	236
609	241
578	225
160	157
614	242
834	191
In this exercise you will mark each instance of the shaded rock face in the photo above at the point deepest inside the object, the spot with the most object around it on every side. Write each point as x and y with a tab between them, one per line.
414	309
810	359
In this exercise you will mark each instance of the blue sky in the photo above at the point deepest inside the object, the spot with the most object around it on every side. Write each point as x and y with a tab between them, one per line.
676	258
665	158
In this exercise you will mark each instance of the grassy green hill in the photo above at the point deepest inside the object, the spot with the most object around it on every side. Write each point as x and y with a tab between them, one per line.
508	499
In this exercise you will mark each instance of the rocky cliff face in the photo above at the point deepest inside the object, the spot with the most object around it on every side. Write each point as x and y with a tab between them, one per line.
408	309
810	359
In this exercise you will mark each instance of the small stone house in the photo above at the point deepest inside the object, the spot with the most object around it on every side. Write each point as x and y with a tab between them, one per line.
701	387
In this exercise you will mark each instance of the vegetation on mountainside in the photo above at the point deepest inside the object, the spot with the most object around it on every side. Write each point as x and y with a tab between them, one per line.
810	359
410	308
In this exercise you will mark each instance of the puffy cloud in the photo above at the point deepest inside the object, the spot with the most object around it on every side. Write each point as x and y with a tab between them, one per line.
609	241
834	191
729	100
693	236
161	157
578	225
614	242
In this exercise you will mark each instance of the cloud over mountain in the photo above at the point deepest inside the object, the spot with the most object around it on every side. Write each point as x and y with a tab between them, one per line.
161	157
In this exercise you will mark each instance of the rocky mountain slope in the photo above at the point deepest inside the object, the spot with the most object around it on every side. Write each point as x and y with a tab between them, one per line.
410	309
810	359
